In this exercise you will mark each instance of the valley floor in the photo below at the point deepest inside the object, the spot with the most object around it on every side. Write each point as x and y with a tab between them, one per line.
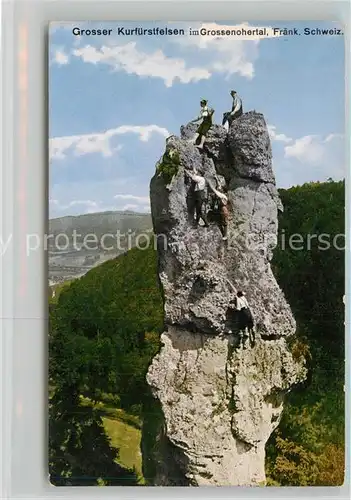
124	430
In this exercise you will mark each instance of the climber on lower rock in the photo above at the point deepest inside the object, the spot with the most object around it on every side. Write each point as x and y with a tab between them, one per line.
199	196
245	316
202	131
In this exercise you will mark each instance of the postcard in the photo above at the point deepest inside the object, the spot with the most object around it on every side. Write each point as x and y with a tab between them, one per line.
196	254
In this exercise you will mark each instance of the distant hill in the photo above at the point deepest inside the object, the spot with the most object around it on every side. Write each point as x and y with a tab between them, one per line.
78	243
100	223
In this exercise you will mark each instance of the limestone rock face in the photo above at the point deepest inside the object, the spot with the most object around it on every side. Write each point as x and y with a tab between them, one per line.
219	398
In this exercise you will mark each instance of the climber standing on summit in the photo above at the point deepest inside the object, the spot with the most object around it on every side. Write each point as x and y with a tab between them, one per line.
202	131
237	109
199	196
245	316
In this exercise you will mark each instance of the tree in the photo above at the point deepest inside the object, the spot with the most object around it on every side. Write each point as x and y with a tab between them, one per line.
313	282
103	334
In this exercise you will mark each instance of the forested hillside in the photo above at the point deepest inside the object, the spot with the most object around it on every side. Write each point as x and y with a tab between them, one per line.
308	447
104	331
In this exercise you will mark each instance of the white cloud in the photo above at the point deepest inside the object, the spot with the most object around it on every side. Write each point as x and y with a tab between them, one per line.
87	206
144	132
99	142
331	137
311	158
229	53
309	149
88	203
272	130
313	150
60	57
100	192
138	203
83	206
141	204
320	157
226	54
130	206
139	199
129	59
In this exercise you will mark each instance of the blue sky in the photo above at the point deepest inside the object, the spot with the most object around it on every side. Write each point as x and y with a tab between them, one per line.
114	99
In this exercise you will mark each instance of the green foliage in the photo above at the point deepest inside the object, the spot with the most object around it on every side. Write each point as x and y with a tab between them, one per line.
153	421
313	281
80	453
104	331
103	325
313	277
297	465
299	349
169	165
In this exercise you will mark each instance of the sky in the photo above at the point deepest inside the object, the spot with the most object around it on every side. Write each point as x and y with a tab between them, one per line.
114	99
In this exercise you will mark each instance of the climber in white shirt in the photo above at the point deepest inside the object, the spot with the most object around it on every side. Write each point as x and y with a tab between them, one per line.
237	109
241	302
237	106
200	181
199	196
245	316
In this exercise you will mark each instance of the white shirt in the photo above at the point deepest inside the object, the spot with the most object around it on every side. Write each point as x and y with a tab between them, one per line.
241	303
199	180
236	103
220	195
204	112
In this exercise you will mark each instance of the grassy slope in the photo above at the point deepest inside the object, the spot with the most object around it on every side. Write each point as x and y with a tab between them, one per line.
124	430
127	439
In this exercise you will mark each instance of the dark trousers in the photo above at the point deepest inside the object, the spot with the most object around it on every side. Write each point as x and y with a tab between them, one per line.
224	221
224	229
236	114
200	208
230	116
246	321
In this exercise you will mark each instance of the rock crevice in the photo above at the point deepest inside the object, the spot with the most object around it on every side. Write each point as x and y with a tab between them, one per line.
219	400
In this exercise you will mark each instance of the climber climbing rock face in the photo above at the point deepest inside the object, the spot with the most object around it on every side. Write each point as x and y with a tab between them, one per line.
236	111
245	316
223	210
205	117
199	195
